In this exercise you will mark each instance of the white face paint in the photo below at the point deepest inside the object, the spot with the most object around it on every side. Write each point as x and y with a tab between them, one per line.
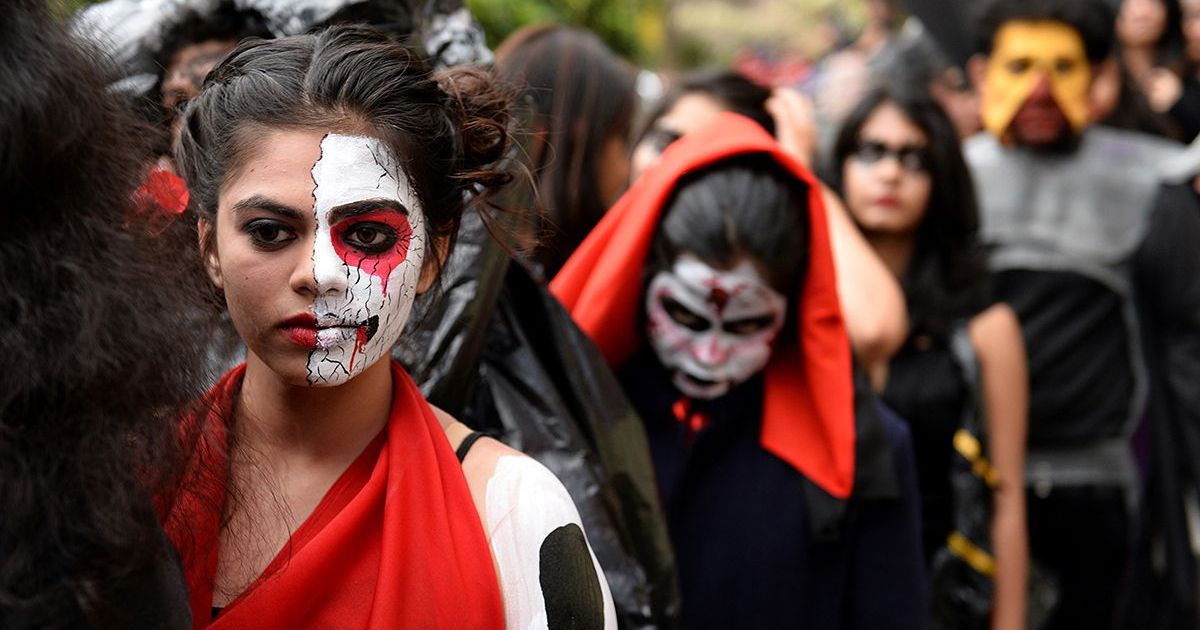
369	247
713	329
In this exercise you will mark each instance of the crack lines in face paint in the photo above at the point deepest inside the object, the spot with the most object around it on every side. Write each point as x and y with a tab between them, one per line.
382	167
348	166
313	258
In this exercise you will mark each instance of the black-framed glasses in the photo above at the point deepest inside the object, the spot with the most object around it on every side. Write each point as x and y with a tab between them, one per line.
912	158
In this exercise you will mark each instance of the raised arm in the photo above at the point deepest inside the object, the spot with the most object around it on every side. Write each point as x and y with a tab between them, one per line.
871	298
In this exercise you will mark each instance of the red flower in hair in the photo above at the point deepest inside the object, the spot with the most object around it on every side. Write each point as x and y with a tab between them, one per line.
162	192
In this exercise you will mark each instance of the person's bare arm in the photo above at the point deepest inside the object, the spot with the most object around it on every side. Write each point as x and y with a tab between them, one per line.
996	335
871	298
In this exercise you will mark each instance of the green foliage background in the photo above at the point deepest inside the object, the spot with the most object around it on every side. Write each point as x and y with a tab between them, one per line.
635	29
658	33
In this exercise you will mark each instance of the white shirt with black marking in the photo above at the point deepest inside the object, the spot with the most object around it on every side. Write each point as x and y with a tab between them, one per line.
549	577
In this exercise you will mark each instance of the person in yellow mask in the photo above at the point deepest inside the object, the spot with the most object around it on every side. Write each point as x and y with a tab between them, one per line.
1097	255
1036	83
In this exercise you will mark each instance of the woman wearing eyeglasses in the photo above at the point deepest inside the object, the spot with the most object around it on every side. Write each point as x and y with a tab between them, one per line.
904	181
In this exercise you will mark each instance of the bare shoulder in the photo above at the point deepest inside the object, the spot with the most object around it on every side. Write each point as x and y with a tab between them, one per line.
996	335
481	460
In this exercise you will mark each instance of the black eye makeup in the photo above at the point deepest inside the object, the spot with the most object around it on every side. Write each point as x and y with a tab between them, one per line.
750	325
683	315
370	237
912	158
269	234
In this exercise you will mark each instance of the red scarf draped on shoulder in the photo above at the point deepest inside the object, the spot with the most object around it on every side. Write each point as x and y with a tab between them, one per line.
395	543
808	407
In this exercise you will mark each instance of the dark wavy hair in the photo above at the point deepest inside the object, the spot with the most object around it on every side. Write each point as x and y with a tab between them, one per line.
577	94
450	130
947	279
101	347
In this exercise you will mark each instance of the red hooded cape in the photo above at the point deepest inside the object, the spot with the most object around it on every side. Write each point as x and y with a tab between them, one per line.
808	407
396	542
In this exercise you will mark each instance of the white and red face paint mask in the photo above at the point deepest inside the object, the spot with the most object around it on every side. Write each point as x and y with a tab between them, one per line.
368	250
712	328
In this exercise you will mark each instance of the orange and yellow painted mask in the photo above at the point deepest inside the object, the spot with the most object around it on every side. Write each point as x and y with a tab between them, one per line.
1025	52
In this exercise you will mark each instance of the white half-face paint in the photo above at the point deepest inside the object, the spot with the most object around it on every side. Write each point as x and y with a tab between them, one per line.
525	504
712	328
367	255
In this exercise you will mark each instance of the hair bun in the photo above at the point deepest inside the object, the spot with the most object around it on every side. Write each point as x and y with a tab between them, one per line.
483	115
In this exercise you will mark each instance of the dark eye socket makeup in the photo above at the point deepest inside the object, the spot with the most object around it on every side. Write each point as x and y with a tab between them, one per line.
749	325
368	236
912	158
683	315
269	234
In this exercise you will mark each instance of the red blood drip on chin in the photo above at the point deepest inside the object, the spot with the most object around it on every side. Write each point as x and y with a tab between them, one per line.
360	342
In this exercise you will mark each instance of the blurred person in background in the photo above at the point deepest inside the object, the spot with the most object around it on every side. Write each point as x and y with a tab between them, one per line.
191	47
579	100
920	65
693	101
789	491
1190	16
1152	53
872	301
104	335
1098	259
904	180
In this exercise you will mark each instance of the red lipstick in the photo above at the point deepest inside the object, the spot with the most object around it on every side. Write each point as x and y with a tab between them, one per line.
301	330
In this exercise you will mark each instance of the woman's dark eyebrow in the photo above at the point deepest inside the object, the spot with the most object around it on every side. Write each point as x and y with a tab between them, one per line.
259	202
355	208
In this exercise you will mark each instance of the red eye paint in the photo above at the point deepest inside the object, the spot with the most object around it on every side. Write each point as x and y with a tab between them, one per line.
380	264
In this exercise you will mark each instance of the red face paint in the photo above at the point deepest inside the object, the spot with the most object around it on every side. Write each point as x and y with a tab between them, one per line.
360	341
378	264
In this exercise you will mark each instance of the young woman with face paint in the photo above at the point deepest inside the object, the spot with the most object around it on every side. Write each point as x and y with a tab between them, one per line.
908	188
790	494
329	172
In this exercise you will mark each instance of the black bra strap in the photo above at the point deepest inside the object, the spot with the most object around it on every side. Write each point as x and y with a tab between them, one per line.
466	445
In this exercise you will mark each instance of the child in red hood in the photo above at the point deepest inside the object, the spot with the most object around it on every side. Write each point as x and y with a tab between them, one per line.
790	492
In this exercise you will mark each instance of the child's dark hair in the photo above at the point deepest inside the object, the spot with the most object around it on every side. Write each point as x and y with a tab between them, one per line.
448	130
748	207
